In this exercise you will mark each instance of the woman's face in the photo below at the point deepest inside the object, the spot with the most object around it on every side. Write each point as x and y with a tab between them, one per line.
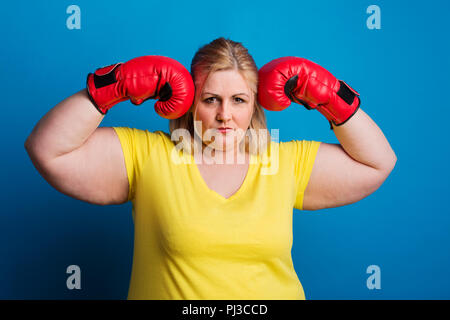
225	102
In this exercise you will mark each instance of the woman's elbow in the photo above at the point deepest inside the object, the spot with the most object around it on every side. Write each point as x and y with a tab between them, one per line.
390	165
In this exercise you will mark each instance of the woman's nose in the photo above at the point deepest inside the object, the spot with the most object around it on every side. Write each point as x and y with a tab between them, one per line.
224	112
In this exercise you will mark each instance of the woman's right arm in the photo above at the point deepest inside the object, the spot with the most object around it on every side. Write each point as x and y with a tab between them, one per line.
77	157
86	162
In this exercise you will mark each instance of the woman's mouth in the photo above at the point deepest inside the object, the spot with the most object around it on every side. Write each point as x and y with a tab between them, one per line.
224	130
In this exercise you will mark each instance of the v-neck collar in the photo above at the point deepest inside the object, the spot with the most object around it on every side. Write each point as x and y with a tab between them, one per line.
217	196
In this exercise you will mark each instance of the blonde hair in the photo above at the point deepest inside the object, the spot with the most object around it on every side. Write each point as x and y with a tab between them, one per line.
225	54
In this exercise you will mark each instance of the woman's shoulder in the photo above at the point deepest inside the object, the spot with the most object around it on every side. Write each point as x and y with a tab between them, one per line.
298	147
295	143
159	133
144	139
143	133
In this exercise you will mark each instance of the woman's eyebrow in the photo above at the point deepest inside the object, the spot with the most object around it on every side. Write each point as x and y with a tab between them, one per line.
214	94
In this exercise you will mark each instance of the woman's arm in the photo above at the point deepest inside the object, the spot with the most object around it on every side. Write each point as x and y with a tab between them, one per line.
64	128
86	162
363	140
342	173
346	173
75	156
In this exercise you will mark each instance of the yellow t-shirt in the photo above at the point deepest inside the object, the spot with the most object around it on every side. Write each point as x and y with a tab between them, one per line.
192	243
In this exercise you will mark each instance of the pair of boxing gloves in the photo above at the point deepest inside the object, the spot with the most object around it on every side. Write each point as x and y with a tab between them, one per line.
281	81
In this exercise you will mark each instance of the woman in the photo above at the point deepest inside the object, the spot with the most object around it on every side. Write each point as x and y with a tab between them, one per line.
212	228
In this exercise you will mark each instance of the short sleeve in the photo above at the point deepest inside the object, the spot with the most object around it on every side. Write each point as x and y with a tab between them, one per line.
304	157
137	146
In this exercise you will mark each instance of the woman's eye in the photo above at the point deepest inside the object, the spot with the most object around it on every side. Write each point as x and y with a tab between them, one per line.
209	100
213	99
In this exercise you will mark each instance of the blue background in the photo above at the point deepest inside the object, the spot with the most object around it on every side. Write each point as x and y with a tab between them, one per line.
401	72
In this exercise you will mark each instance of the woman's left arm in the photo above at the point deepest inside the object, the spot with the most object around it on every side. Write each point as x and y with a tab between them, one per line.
342	173
363	140
350	171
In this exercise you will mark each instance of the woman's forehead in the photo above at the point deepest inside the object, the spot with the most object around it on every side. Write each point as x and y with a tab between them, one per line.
225	81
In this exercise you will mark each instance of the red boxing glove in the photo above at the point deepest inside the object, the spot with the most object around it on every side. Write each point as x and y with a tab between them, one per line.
140	79
299	80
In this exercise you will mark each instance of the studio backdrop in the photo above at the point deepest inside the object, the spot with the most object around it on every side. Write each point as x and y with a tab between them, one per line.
393	244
